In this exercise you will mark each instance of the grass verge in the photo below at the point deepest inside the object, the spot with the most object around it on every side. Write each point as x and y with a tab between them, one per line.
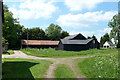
9	52
63	71
24	68
100	66
58	53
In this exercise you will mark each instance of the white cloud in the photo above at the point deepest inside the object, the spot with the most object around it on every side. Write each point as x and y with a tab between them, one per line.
81	4
34	9
57	0
78	5
107	30
86	19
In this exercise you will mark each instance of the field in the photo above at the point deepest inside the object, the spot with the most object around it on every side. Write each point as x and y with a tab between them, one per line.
58	53
104	64
24	68
100	66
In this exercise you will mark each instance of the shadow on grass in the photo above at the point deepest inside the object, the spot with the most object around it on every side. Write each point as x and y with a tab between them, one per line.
7	53
17	70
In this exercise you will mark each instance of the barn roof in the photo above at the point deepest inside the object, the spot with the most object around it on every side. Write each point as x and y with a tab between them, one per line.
73	36
71	40
39	42
65	41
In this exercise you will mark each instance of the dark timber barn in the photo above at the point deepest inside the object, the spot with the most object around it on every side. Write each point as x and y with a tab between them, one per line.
77	43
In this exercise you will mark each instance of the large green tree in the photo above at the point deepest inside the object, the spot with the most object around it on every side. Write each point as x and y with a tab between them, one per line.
34	34
54	32
104	38
115	25
11	29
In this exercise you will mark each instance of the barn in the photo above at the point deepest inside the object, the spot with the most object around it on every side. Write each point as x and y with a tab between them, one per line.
39	44
77	43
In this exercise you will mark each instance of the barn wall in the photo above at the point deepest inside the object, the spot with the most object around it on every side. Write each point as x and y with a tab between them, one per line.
60	46
75	47
80	37
91	45
97	45
78	47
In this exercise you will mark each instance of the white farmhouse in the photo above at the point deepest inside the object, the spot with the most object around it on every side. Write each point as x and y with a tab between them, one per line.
108	44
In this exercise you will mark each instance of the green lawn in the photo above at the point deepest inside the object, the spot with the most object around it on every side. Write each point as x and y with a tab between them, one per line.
63	71
100	66
58	53
24	68
8	52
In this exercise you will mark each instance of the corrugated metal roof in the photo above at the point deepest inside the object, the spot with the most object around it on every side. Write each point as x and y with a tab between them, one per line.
74	37
65	41
71	36
68	40
39	42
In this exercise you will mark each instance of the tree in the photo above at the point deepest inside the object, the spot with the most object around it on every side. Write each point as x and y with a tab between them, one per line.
4	42
11	29
64	34
53	32
94	37
115	25
88	37
34	34
104	39
24	33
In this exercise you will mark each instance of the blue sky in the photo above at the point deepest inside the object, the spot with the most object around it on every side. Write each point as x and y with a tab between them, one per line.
79	16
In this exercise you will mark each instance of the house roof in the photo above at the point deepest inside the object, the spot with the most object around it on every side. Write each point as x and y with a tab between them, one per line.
39	42
65	41
110	43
